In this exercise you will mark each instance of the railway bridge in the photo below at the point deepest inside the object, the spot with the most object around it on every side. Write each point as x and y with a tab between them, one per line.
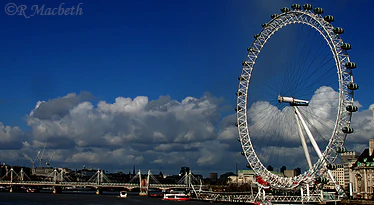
98	181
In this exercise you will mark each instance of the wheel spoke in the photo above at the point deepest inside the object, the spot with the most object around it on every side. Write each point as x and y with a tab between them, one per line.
295	87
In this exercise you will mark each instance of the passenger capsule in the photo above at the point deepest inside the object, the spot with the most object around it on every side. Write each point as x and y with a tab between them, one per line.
307	6
352	86
350	65
338	30
347	130
351	108
285	10
238	93
324	180
242	153
256	36
341	150
318	10
250	49
245	63
329	18
331	166
295	6
273	16
248	166
346	46
318	179
238	109
236	124
241	78
264	25
238	139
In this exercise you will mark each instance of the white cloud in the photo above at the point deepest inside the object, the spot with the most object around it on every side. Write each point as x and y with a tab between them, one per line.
166	132
10	137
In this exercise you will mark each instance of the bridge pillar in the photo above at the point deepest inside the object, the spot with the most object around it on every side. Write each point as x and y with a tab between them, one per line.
143	192
99	191
57	189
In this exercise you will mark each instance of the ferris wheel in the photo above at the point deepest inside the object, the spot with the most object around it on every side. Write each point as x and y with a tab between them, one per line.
296	104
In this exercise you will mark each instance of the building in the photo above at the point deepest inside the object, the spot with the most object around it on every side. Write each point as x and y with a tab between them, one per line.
348	159
289	172
213	177
247	177
363	171
338	175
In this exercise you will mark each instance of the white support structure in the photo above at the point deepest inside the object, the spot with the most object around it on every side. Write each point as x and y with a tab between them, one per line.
310	135
140	178
11	174
319	153
303	142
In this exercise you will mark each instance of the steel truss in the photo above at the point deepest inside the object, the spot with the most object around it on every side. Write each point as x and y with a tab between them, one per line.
343	118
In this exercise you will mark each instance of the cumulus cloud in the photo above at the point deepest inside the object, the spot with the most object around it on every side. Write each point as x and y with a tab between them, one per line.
168	133
10	137
363	124
131	131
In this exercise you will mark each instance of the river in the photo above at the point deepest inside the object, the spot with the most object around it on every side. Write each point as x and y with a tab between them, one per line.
83	199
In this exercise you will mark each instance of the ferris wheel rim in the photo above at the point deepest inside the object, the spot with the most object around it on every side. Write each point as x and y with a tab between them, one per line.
343	117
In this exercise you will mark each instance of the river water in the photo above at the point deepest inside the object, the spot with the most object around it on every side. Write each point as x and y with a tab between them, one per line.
84	199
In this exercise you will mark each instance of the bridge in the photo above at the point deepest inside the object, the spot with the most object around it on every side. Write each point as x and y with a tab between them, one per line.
98	181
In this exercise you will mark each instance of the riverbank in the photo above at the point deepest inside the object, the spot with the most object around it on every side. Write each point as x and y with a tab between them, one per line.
351	201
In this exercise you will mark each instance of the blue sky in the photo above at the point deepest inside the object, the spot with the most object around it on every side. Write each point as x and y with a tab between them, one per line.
148	48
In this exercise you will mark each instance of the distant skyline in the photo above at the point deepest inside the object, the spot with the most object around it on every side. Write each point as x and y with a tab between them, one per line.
146	83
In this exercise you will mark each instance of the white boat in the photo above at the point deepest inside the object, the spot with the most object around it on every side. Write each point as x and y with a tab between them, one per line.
176	196
123	194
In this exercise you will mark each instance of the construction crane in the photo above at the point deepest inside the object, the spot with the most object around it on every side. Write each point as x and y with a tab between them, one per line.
32	161
42	155
48	162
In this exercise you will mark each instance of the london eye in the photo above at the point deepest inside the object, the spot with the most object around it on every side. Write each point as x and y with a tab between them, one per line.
295	97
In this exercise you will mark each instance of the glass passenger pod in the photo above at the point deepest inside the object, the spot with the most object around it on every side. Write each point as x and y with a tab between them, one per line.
329	18
350	65
264	25
346	46
322	180
238	109
331	166
296	6
351	108
238	93
341	150
256	36
285	10
338	30
250	49
241	78
242	153
318	10
347	130
273	16
307	6
352	86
